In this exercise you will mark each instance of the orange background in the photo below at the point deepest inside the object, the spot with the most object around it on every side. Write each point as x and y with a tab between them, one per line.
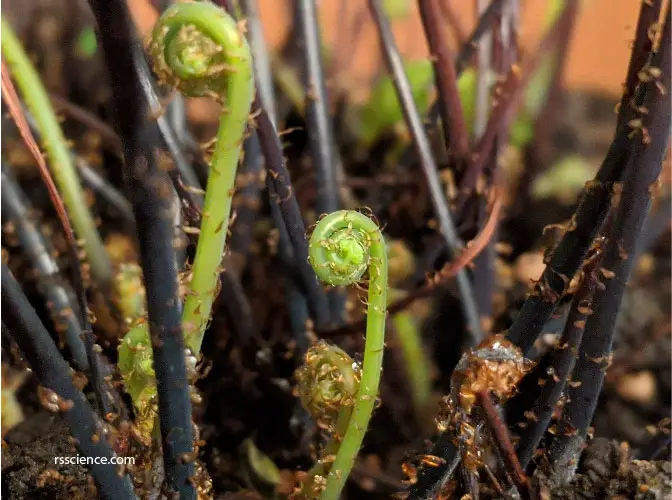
598	55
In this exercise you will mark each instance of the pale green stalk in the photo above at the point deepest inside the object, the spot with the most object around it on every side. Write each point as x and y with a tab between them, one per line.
415	359
201	50
58	155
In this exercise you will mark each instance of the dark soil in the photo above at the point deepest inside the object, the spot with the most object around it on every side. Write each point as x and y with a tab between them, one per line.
28	468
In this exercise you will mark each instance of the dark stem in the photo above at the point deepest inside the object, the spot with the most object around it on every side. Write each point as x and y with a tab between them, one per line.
470	47
430	480
649	144
261	61
96	370
149	190
52	372
572	249
183	177
324	153
429	167
508	98
455	130
649	13
563	362
283	196
318	123
60	296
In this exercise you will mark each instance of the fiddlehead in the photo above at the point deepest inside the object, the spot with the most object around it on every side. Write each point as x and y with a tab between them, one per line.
198	48
343	246
327	385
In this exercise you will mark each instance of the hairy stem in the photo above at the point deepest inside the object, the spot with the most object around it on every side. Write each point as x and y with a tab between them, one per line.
53	372
201	50
343	246
649	140
150	194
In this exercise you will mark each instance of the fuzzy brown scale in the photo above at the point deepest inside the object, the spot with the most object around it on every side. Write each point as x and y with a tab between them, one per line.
496	365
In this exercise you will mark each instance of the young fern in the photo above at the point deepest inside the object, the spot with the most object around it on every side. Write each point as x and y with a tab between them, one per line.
327	385
343	246
198	48
135	351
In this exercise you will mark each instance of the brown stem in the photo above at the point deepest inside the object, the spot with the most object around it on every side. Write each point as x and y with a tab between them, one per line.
500	433
451	17
510	92
455	131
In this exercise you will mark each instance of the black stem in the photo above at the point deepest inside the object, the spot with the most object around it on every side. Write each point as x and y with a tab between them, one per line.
430	480
509	94
429	167
318	123
572	249
470	47
324	153
52	371
649	12
298	306
59	295
262	63
182	176
247	201
649	145
283	195
148	187
564	360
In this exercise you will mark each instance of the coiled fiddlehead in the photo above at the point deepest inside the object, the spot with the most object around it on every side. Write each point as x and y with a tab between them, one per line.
198	48
343	247
327	385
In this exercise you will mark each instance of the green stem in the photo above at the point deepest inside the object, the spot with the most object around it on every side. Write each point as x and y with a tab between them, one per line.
201	50
58	154
415	359
343	246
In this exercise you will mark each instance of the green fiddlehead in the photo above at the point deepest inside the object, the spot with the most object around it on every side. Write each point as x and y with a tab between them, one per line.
198	48
343	247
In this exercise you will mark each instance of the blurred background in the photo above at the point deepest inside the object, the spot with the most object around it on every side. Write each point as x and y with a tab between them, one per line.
598	56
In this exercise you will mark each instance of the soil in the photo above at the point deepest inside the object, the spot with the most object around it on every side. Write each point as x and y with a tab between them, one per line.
247	391
28	468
